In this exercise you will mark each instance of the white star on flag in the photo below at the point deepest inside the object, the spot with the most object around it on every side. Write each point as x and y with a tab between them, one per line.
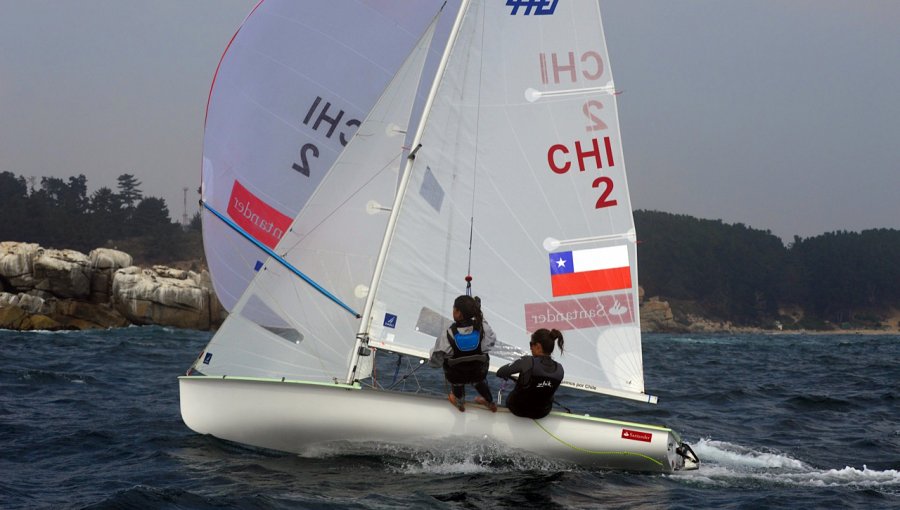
561	262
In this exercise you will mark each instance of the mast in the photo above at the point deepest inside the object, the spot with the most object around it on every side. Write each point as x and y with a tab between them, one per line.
401	191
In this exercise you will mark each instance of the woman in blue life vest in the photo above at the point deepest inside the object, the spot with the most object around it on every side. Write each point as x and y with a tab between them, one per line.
462	352
539	376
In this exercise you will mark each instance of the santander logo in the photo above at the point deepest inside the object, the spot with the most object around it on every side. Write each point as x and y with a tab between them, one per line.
636	435
262	221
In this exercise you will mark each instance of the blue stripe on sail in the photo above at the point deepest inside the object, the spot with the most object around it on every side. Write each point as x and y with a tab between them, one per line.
283	262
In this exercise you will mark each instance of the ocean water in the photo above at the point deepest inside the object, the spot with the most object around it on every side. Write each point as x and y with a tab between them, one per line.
91	420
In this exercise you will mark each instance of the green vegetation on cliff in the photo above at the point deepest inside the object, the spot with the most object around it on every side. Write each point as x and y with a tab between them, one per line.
61	214
744	275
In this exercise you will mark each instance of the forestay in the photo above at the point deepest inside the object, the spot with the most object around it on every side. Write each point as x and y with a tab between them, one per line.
521	153
289	93
283	327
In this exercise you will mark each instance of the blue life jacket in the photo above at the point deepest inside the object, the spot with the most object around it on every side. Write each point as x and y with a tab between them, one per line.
467	364
464	344
467	342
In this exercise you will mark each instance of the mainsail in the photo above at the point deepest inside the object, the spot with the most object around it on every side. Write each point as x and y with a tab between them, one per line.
520	182
290	91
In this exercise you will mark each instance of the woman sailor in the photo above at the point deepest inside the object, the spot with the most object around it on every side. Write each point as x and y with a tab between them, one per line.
462	352
539	376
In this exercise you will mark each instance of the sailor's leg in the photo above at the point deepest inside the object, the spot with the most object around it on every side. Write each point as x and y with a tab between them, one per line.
485	398
484	390
458	396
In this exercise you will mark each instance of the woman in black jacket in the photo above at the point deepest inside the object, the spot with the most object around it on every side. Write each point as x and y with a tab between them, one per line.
539	376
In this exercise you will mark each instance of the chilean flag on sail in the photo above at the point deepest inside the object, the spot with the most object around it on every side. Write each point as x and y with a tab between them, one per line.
586	271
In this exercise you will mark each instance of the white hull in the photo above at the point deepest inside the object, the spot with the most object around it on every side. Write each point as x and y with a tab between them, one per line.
294	416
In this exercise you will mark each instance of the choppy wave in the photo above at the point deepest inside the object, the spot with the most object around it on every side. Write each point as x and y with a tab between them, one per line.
40	377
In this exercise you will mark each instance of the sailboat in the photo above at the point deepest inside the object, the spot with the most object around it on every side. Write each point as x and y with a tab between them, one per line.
512	181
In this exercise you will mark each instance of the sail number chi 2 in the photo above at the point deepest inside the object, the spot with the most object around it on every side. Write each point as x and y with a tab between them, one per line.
328	118
569	69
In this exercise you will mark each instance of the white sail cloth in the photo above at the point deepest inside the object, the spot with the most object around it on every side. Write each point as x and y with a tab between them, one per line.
291	89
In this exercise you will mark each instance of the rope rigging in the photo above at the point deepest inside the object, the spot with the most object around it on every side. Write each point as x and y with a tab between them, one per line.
474	173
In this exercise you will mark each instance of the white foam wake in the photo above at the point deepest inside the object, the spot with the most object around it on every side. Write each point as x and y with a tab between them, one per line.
736	456
441	457
728	464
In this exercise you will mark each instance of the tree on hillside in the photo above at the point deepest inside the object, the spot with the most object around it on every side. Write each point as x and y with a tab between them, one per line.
849	271
151	215
150	221
12	187
13	196
104	201
732	270
56	214
70	196
107	217
195	223
129	190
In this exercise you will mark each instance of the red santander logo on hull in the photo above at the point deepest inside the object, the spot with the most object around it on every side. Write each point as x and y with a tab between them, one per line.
636	435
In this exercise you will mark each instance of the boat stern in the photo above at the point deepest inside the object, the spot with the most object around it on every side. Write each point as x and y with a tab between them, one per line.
680	454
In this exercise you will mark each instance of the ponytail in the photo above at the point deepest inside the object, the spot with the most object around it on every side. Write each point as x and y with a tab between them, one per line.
547	338
470	308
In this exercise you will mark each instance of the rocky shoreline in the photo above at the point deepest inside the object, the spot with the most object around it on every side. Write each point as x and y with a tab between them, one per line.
50	290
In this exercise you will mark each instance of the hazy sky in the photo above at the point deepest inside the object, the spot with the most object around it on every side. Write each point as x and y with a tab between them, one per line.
783	115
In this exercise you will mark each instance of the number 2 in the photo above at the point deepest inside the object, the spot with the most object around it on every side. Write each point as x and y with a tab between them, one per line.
607	189
598	125
303	168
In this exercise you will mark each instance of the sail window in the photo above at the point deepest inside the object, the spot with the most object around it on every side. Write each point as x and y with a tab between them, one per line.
432	323
269	320
431	190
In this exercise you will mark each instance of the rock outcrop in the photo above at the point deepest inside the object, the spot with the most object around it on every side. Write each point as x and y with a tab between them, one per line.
62	273
105	263
162	295
64	289
17	265
657	315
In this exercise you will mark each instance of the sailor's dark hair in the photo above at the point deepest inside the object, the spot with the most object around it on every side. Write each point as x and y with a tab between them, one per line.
470	308
546	337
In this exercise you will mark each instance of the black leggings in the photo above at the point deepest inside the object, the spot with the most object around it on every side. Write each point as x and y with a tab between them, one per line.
520	405
459	390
